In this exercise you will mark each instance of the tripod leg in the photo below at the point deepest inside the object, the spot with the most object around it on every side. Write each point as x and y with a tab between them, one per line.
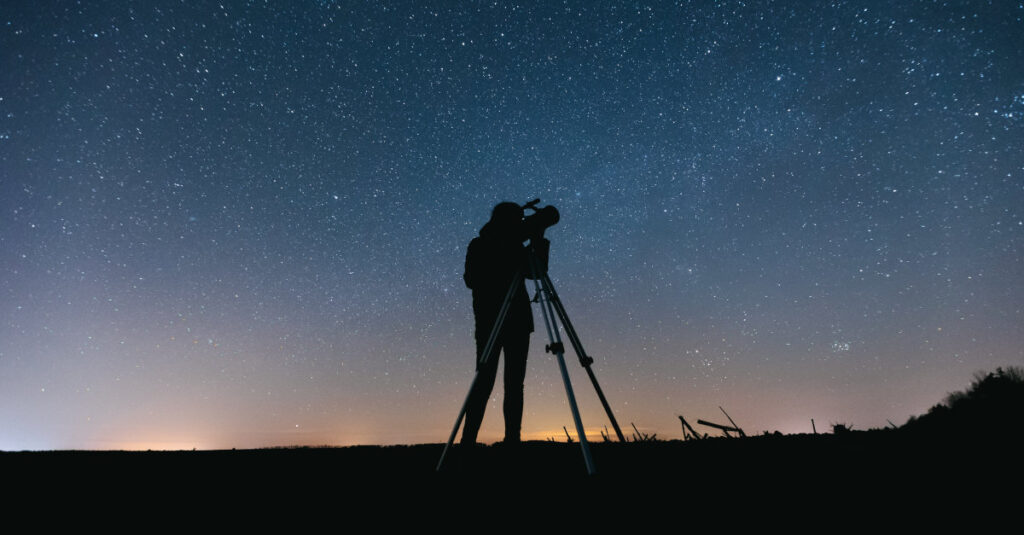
585	360
488	349
556	345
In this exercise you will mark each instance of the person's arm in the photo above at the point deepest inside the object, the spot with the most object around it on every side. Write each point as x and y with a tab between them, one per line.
471	275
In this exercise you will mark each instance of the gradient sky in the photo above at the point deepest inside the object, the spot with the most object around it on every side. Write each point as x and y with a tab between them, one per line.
243	224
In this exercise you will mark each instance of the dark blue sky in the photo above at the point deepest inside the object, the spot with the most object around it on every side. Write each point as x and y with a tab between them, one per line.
244	224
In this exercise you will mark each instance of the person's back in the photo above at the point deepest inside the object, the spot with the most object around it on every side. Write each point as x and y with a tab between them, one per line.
492	262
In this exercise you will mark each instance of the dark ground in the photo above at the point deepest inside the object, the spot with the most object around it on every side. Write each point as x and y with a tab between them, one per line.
959	466
881	470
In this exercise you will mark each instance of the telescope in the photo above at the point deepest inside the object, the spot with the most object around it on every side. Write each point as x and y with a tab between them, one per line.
536	223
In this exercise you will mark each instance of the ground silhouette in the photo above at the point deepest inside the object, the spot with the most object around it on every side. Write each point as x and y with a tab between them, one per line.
967	446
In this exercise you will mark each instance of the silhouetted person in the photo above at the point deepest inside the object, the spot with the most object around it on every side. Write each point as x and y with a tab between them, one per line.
492	261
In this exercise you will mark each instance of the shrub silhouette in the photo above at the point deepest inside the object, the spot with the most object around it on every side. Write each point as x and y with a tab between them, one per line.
992	405
841	428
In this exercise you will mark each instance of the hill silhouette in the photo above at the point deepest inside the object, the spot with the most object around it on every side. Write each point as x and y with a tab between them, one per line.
992	406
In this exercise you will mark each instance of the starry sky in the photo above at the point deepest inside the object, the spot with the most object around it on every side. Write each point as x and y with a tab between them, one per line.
243	224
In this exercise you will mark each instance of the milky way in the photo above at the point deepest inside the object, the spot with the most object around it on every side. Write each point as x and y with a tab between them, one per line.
244	224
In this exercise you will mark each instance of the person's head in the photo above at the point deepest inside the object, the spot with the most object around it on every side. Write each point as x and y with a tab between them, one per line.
506	217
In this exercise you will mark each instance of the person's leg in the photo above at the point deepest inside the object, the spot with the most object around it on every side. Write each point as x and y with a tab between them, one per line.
516	348
481	392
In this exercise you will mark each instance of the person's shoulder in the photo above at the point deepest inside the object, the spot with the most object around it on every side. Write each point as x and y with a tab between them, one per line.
476	245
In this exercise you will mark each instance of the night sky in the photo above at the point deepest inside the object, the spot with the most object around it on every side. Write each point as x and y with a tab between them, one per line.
244	224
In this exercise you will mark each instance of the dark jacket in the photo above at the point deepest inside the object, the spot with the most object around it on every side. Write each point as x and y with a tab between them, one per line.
492	262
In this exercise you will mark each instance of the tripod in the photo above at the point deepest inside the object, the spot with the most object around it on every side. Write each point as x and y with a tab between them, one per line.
551	307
